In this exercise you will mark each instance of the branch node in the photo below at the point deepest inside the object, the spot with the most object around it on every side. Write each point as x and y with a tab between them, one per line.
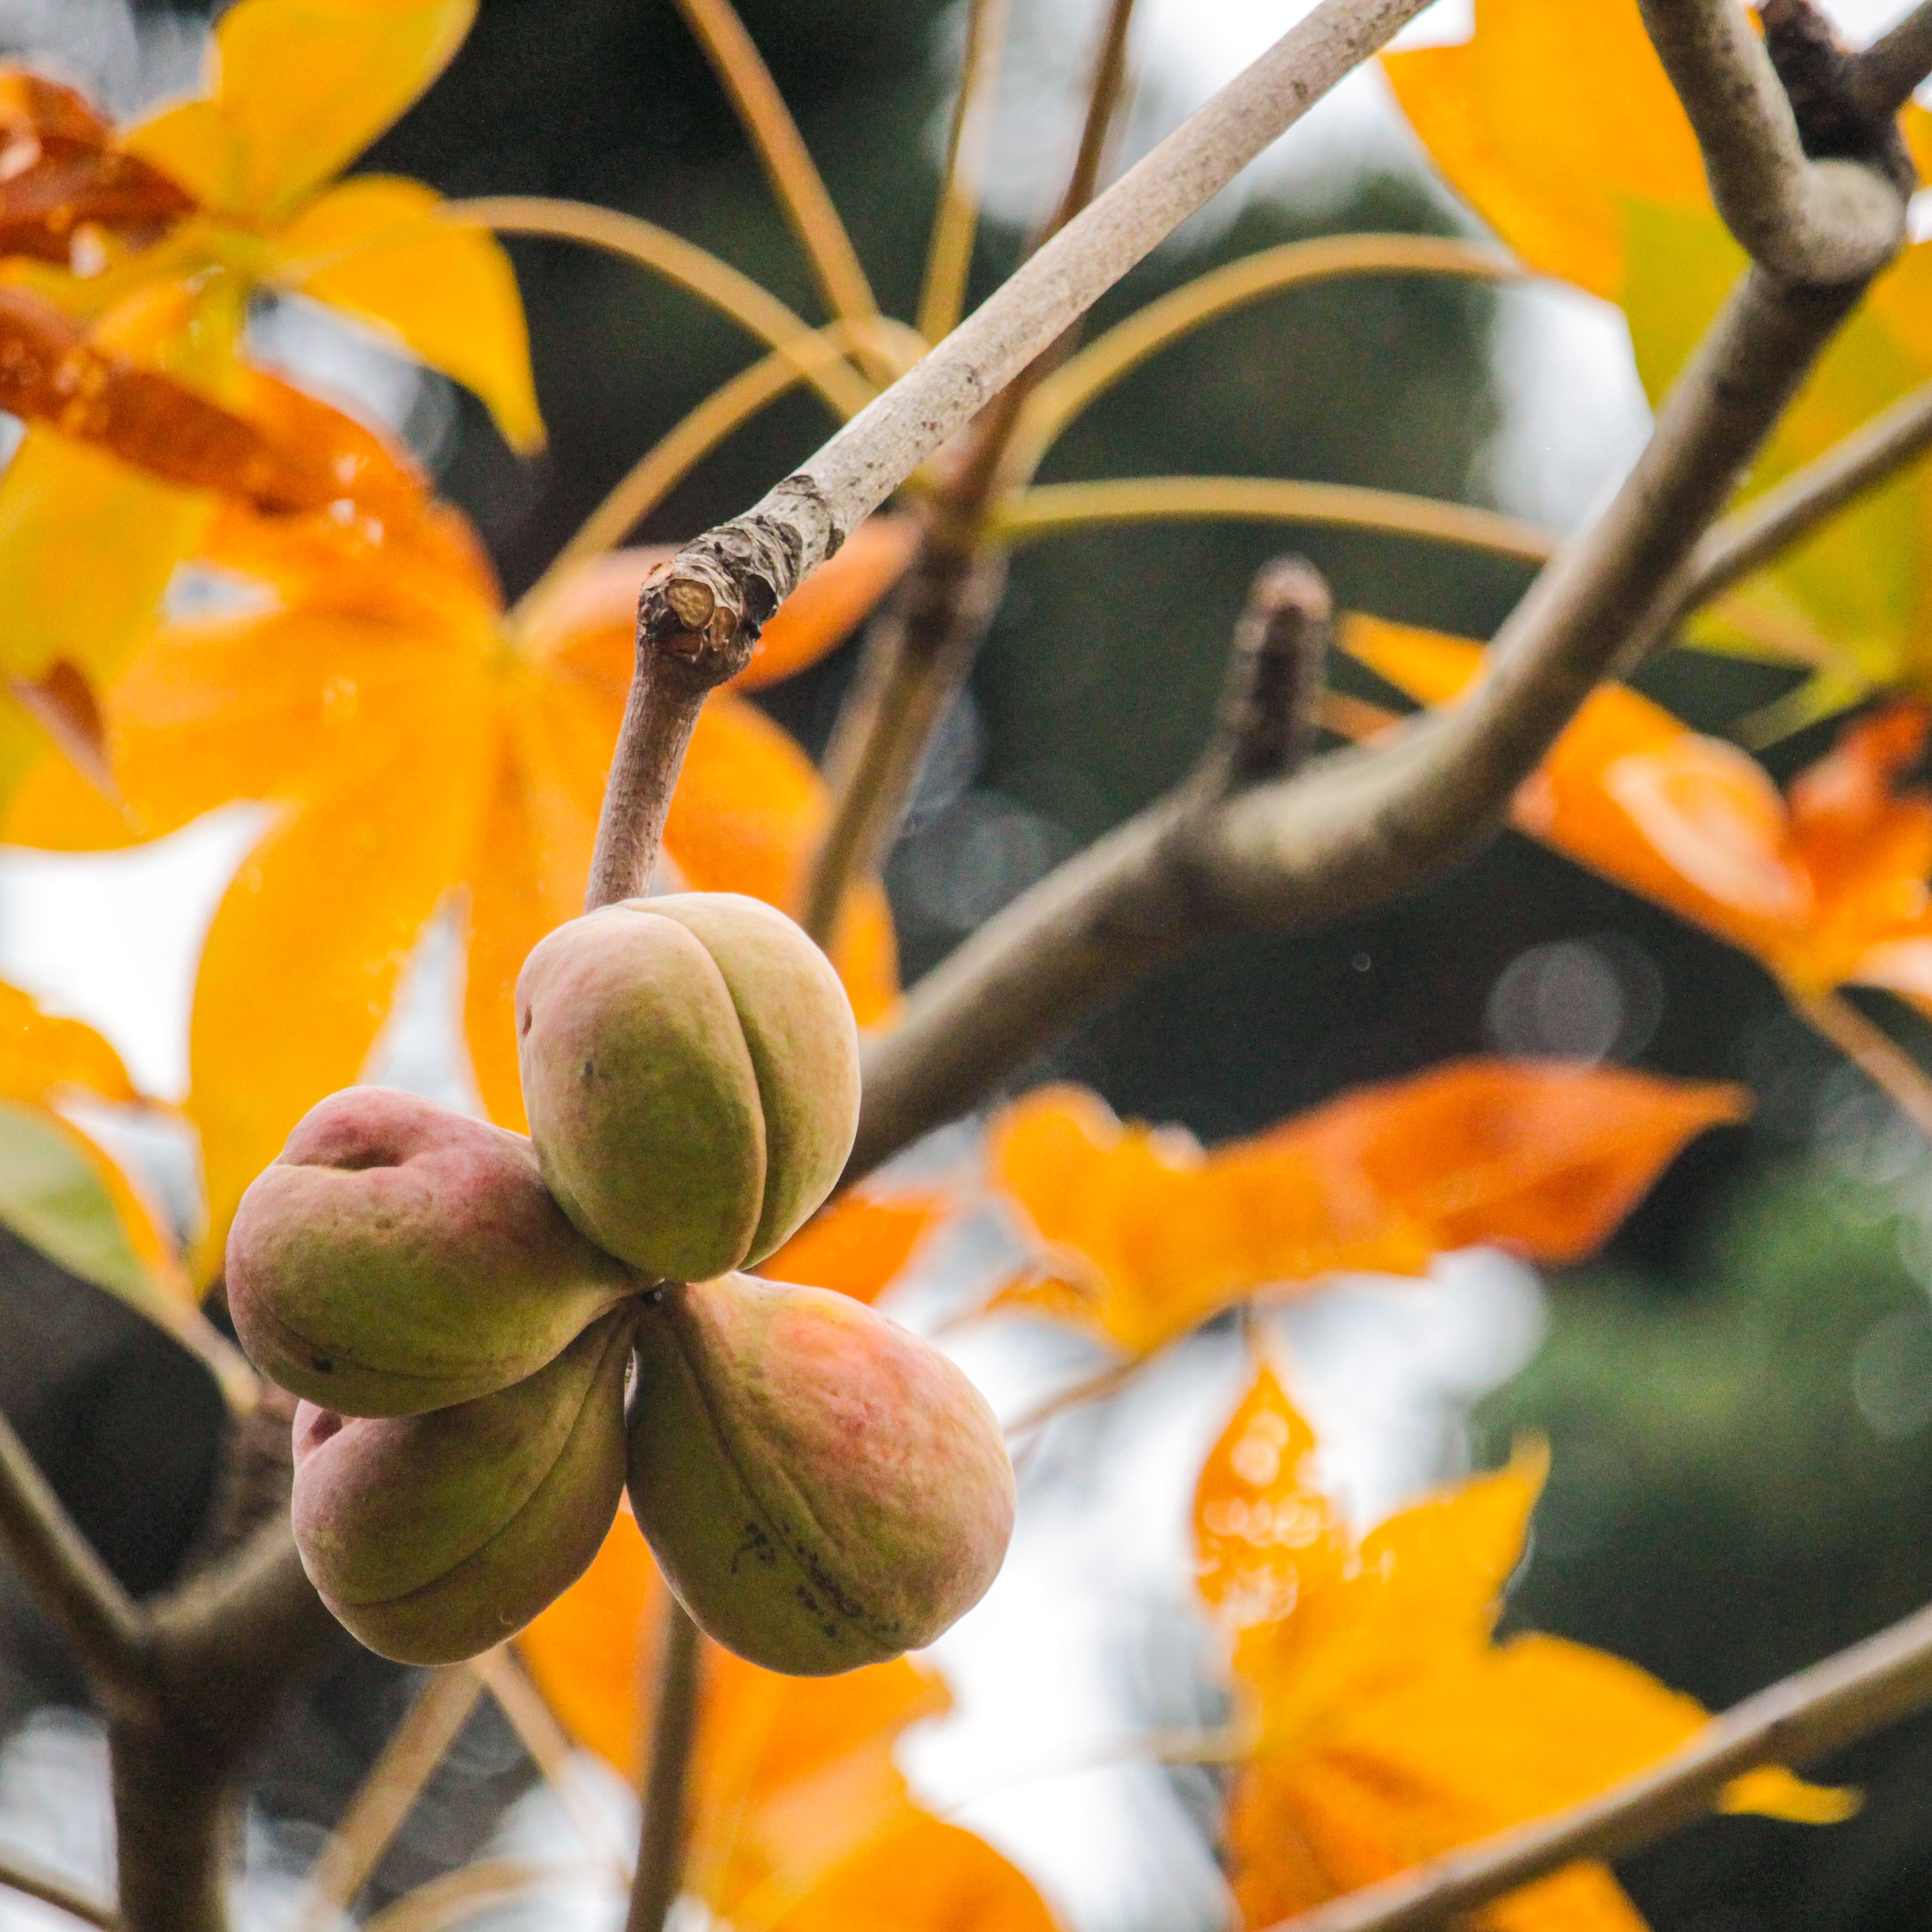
1821	79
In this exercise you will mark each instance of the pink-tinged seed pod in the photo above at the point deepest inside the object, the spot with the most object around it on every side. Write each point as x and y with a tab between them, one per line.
433	1537
691	1068
399	1258
822	1489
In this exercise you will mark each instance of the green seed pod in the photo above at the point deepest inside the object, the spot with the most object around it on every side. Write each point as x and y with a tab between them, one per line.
433	1537
691	1067
821	1489
400	1257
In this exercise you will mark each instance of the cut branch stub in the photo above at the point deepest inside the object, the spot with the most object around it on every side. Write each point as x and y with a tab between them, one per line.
707	605
1822	80
698	618
1275	675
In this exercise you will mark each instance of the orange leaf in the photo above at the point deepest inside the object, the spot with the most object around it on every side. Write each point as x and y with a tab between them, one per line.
1156	1236
307	948
800	1820
58	175
39	1053
50	372
858	1245
1263	1532
1389	1728
1829	888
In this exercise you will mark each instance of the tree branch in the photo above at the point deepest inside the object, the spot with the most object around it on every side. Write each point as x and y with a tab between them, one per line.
1358	827
1890	71
1821	222
745	569
96	1616
667	1779
1807	498
1794	1722
689	643
919	651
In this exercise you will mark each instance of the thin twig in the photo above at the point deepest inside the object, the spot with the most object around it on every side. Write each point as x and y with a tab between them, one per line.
1793	1723
752	306
948	261
106	1627
746	568
15	1877
1818	222
1874	1052
667	463
1105	360
1808	497
1357	827
794	174
915	654
1096	1387
389	1792
448	1899
1888	71
549	1748
1104	94
667	1776
918	652
1048	509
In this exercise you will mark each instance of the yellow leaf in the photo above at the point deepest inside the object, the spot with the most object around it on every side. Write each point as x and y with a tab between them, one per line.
1547	118
296	90
40	1052
1559	126
69	600
382	250
303	958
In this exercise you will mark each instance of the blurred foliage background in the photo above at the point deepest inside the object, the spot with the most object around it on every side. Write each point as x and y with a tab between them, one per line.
1739	1397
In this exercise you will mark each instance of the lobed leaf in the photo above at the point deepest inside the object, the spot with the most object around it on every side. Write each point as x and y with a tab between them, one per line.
1142	1235
1559	126
1828	889
1389	1726
799	1819
295	90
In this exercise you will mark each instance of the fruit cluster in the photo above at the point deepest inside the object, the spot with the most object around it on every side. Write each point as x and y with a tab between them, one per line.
459	1308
